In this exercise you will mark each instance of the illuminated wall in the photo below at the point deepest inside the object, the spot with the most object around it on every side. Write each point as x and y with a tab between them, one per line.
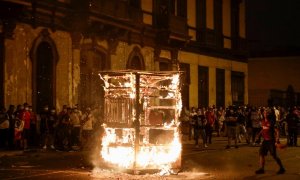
242	19
147	8
191	18
210	14
18	66
212	62
227	23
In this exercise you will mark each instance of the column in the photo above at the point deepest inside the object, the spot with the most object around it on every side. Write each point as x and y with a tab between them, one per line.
212	86
156	59
76	38
228	94
2	68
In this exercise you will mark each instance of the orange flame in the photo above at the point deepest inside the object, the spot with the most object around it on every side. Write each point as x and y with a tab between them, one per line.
121	152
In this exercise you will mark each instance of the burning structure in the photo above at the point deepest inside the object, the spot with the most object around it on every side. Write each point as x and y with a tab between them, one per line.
141	120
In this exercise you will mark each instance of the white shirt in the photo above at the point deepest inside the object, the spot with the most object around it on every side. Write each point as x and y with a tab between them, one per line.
88	120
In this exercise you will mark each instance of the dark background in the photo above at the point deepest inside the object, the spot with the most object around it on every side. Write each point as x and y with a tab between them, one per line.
273	26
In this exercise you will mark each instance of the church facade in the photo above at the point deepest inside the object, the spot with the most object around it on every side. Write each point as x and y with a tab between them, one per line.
52	51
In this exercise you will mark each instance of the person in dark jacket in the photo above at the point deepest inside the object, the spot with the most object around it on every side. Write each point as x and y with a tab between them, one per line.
231	123
11	130
292	122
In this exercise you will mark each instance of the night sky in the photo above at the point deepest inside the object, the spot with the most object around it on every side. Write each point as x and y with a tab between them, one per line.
273	24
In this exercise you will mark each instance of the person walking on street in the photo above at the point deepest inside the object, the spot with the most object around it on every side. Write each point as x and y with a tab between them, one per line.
255	118
270	137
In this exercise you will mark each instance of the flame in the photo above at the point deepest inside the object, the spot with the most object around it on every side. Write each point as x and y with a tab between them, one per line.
121	152
124	151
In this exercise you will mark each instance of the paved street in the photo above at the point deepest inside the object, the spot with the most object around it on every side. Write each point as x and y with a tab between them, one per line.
214	162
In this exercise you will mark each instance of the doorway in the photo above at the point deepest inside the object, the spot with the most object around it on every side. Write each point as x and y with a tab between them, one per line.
44	76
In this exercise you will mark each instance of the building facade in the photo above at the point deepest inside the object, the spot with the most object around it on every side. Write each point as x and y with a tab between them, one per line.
51	51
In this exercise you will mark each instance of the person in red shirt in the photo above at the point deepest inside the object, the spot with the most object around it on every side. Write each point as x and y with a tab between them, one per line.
25	117
32	141
270	137
211	117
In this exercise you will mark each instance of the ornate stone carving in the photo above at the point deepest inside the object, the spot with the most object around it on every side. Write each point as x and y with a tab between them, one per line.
43	36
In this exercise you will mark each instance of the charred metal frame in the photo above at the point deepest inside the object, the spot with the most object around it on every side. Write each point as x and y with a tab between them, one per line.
141	93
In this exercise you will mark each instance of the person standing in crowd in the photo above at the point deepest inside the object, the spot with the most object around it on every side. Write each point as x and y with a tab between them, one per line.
75	117
241	126
231	123
19	125
191	125
248	122
87	122
292	123
25	117
221	118
4	127
185	120
277	114
256	124
51	124
19	110
66	127
33	128
201	123
210	116
11	130
62	128
270	137
196	130
44	116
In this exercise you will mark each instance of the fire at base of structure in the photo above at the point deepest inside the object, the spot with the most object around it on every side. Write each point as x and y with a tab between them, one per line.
141	115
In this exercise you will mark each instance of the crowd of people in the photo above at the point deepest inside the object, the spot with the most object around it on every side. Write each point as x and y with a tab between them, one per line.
261	126
67	130
239	123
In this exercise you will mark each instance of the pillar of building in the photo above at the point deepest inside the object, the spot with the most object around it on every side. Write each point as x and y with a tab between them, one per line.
156	59
7	28
174	60
193	90
212	86
246	89
228	95
76	38
1	68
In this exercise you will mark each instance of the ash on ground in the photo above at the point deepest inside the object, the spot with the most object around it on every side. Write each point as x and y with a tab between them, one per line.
109	174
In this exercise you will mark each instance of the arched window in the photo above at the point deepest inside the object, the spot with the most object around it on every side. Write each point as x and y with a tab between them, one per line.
44	57
135	60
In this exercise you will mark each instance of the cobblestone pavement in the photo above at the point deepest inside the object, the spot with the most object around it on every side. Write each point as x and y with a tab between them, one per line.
213	162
